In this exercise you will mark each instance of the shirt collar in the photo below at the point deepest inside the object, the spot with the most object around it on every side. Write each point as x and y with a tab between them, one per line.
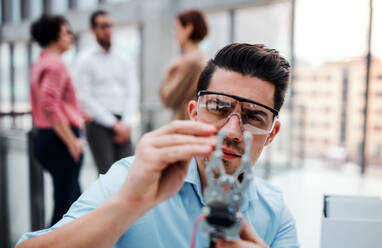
193	174
193	178
98	49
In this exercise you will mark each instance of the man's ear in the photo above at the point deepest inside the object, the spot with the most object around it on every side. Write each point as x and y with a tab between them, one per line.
274	132
192	107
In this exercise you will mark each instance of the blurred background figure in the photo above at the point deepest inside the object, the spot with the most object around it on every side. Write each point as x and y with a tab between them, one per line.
56	114
179	85
332	120
106	95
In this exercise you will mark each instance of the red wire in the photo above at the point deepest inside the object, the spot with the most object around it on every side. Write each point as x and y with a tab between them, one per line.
193	237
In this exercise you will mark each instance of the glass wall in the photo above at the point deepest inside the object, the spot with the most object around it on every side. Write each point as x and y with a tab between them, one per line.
376	88
87	4
21	78
115	1
127	42
218	36
330	80
59	6
1	12
5	89
268	25
36	8
35	52
16	10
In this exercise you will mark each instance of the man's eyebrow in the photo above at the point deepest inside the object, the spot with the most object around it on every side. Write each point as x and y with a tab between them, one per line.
257	111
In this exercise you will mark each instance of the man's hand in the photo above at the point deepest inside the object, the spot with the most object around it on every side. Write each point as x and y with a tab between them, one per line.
122	132
161	162
76	148
87	117
249	239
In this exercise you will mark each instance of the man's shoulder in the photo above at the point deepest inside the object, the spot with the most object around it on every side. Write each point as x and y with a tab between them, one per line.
122	164
116	55
267	191
119	169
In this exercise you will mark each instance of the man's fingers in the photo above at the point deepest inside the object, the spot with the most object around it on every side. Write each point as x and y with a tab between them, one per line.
180	139
249	239
174	154
186	127
236	244
248	234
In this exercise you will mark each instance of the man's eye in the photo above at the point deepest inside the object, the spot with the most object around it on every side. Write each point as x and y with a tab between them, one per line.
255	118
218	107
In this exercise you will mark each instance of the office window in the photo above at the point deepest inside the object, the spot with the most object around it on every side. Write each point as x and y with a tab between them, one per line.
16	10
36	50
36	9
268	25
5	96
69	56
218	36
21	78
126	40
59	6
86	4
377	31
1	12
115	1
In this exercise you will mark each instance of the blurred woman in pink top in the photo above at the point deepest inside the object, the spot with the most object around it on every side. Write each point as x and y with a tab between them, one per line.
56	114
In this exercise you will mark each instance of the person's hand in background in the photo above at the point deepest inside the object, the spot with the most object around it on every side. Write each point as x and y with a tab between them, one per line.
122	132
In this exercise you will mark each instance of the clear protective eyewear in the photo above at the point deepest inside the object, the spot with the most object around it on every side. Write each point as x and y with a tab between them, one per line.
217	108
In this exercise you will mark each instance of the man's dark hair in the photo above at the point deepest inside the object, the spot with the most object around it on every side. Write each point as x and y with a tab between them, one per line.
253	60
47	29
198	21
94	15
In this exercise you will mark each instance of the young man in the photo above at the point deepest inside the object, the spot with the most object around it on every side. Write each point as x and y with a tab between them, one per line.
152	199
106	95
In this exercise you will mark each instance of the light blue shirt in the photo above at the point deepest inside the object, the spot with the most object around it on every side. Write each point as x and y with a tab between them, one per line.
170	223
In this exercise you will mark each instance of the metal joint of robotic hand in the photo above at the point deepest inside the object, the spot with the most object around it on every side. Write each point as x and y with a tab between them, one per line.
225	193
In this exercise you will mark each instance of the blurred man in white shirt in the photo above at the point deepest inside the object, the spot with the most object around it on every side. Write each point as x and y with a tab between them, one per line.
107	96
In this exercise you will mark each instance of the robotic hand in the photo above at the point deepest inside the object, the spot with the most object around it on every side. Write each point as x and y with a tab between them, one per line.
225	194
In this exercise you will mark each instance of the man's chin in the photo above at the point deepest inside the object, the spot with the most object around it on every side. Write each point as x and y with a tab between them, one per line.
104	43
230	166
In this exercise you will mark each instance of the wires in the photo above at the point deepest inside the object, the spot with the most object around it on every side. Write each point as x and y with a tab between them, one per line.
194	229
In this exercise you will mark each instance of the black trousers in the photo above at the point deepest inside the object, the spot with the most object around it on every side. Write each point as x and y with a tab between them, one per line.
105	151
54	156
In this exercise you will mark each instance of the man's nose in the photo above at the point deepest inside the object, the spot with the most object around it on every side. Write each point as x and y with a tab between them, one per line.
233	127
